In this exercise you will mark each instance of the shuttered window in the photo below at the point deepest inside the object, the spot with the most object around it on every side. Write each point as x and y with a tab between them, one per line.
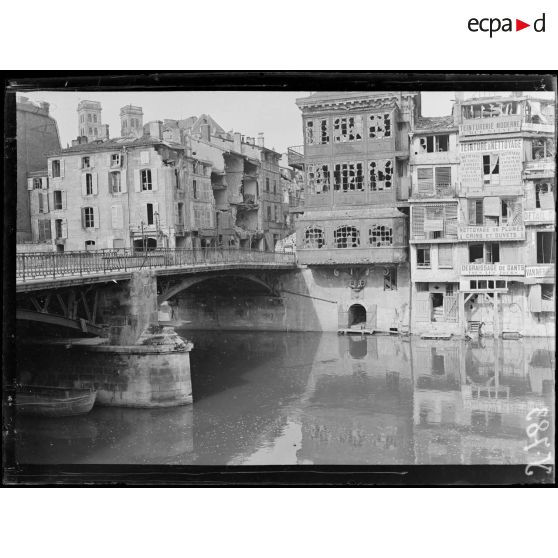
445	255
476	212
425	180
418	221
443	177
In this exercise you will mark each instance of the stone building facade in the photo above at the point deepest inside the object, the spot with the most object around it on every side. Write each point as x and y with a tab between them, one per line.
352	237
37	133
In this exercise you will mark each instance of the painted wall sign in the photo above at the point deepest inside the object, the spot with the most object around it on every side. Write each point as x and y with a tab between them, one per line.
540	271
498	269
491	233
490	126
505	168
539	216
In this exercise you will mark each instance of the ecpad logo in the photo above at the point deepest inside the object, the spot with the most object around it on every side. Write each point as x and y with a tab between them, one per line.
494	24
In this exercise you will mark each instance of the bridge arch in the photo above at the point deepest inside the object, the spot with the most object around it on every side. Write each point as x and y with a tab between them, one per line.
188	282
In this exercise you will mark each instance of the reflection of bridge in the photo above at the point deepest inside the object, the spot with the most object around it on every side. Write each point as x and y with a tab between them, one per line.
93	291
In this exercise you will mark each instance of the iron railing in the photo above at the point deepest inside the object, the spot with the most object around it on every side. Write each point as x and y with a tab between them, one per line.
34	265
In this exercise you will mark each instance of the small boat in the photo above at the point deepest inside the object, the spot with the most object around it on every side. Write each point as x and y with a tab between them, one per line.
54	401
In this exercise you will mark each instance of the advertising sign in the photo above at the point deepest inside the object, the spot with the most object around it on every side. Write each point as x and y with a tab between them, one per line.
516	232
497	269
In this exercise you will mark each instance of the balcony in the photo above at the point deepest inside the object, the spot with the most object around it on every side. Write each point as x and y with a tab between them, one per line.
295	156
539	168
515	232
325	256
539	216
446	191
493	269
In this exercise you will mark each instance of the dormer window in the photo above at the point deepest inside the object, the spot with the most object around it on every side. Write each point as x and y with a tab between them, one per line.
115	160
85	163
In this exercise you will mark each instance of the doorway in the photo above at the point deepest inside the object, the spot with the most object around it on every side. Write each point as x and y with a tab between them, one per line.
357	315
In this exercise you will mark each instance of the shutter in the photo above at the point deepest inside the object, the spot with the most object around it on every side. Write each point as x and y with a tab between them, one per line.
95	184
547	200
30	184
472	212
443	177
535	298
156	210
96	218
421	307
137	180
64	228
64	200
450	221
83	184
46	206
83	217
445	255
342	317
61	168
450	308
425	181
418	220
478	212
50	201
530	196
116	214
49	166
176	215
44	183
41	202
53	229
492	207
155	178
123	184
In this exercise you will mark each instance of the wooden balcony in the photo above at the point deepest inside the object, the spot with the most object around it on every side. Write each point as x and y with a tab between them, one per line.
295	156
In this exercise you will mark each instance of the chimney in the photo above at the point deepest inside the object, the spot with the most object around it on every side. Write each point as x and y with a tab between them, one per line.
237	142
205	132
261	139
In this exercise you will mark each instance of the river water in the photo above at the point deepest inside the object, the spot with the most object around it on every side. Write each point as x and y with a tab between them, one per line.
265	398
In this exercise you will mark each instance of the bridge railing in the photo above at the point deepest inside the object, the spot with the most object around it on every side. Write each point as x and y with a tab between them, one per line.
33	265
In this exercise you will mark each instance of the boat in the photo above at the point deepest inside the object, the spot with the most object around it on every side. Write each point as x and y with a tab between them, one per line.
49	401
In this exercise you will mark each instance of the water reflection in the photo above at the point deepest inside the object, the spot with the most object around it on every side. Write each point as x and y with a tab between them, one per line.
310	398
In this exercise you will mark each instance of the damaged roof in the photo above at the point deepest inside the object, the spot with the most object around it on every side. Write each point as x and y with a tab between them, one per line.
117	143
434	123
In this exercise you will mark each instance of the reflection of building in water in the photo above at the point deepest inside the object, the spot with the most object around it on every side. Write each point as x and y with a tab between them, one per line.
471	400
358	403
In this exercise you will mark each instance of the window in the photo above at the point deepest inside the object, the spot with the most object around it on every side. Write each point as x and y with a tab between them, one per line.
85	163
489	252
81	118
476	215
89	184
379	126
114	182
347	128
94	131
180	213
56	169
195	189
44	230
88	217
434	144
269	213
380	235
115	160
546	247
275	186
150	214
90	245
95	118
43	203
390	279
445	255
425	181
316	131
89	118
449	289
90	131
313	238
547	292
348	176
145	175
276	214
267	184
57	199
434	221
37	184
58	228
423	256
318	179
542	149
346	237
491	169
434	180
442	178
544	197
380	174
422	287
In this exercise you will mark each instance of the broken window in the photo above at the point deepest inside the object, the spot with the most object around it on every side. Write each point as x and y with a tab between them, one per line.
491	169
491	110
434	144
317	131
390	279
488	252
348	176
542	149
380	175
346	237
85	163
379	125
476	253
314	238
423	256
544	197
537	112
318	178
37	184
380	235
347	128
546	247
547	292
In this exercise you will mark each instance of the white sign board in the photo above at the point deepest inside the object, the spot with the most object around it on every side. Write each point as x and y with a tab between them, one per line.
516	232
498	269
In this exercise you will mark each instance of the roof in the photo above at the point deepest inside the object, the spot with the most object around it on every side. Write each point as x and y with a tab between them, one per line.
369	212
117	143
434	123
321	97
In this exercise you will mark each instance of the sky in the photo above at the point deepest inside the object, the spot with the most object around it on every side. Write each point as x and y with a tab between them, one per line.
249	112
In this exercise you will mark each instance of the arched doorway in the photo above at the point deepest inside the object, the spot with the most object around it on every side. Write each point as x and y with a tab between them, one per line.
149	244
357	315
